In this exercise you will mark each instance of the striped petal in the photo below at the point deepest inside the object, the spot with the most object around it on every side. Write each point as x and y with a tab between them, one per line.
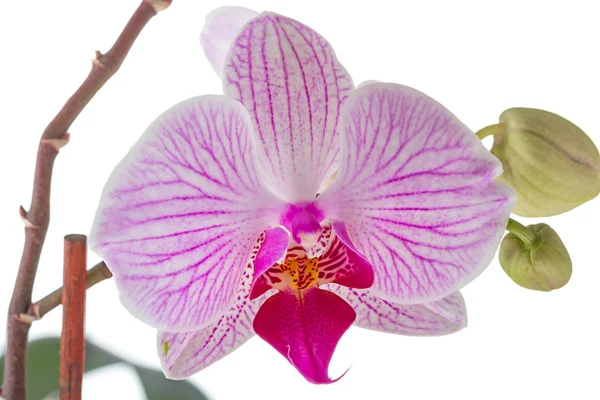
186	353
220	28
330	260
340	263
289	79
305	328
415	190
441	317
179	216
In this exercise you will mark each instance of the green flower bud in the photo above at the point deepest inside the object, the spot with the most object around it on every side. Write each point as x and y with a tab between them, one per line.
551	164
535	257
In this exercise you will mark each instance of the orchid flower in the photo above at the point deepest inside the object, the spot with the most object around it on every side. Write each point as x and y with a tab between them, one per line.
215	227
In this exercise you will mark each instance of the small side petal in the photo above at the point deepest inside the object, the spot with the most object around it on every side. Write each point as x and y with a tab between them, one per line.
291	82
190	352
270	248
442	317
305	330
220	28
416	192
179	216
341	263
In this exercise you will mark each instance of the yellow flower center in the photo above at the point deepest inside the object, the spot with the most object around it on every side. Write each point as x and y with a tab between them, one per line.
297	272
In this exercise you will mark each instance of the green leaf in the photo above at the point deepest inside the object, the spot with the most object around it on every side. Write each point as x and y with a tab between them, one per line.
42	372
158	388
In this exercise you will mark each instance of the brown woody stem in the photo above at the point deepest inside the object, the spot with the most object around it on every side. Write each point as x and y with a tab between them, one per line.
37	310
72	339
36	220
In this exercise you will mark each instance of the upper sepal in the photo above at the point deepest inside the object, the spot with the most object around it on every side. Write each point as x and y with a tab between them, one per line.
291	82
220	29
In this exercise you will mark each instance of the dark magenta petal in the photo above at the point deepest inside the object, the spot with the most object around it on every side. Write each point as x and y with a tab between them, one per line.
305	329
259	287
342	264
270	248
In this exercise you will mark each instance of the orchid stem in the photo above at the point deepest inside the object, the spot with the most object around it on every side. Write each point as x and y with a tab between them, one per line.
522	232
495	129
37	310
72	341
37	218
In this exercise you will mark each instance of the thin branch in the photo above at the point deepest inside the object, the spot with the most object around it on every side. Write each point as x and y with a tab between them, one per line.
38	217
37	310
72	339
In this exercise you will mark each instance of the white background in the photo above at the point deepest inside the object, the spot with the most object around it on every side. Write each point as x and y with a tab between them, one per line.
478	58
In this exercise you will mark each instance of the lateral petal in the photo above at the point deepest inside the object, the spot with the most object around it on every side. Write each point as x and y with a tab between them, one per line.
289	79
180	214
416	192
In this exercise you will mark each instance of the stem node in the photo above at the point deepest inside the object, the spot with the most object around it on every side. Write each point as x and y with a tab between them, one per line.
59	143
28	224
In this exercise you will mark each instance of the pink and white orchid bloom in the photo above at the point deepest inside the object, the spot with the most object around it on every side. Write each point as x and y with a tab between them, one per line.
214	227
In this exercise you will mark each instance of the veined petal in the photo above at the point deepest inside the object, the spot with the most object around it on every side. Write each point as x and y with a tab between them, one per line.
171	345
441	317
305	328
289	79
415	190
180	214
190	352
220	28
451	307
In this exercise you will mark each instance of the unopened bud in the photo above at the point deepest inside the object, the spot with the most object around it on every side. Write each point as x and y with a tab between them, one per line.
551	164
539	264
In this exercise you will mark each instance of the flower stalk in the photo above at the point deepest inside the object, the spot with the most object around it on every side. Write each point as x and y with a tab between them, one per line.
522	232
495	129
37	218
